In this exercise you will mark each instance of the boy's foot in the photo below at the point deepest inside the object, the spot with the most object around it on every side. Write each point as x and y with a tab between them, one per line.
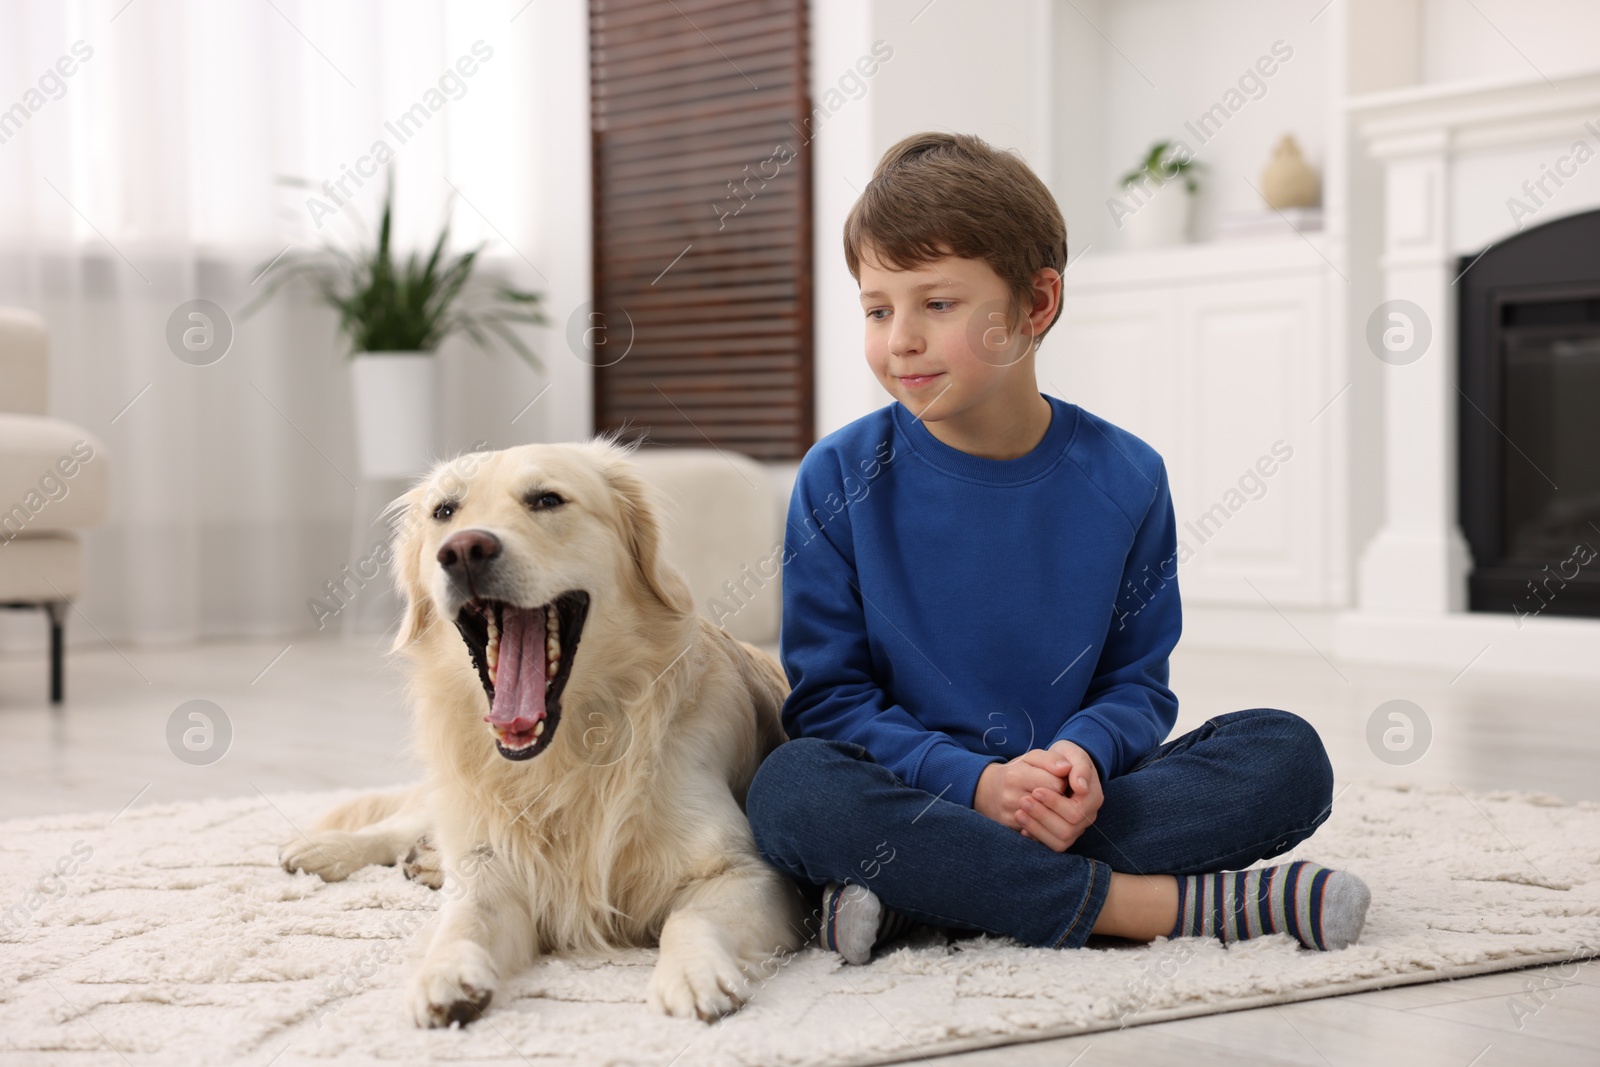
854	921
1321	908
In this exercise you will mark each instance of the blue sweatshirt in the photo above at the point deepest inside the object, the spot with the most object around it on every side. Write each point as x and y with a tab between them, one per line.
946	611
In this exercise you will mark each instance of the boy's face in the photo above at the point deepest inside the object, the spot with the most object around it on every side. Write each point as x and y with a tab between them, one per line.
942	338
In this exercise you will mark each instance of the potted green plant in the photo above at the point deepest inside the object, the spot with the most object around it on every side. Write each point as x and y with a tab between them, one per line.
1152	213
393	315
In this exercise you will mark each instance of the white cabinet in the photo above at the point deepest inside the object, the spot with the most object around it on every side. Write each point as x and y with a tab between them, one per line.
1220	358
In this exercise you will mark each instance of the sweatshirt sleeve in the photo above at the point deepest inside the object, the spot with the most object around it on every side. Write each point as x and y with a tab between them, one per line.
825	651
1127	709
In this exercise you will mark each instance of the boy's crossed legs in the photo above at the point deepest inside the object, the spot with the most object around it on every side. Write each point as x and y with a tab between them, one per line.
1241	787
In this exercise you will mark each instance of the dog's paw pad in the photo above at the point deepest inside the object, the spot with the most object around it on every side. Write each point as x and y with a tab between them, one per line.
326	854
455	988
422	865
706	986
468	1009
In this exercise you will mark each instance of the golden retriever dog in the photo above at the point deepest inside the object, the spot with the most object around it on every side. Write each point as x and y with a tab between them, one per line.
588	739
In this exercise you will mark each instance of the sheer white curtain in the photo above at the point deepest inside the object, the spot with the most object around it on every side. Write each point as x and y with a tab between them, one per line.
141	168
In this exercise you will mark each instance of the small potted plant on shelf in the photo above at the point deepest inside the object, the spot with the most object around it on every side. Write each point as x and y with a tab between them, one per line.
1156	196
393	316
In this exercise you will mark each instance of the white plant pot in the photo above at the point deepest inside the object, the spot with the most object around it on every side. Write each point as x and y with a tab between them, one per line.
1162	218
393	394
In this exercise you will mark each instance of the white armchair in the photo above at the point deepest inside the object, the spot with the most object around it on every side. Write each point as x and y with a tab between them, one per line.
724	530
53	483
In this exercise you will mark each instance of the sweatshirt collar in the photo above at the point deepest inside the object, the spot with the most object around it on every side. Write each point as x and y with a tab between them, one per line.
1044	456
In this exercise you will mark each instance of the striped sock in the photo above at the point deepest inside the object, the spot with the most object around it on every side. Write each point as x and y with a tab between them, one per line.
1321	908
854	921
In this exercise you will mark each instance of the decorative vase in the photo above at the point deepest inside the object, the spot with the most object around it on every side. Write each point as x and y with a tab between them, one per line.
393	394
1288	180
1162	219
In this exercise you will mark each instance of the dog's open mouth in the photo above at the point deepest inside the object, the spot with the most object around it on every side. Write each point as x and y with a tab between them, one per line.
524	657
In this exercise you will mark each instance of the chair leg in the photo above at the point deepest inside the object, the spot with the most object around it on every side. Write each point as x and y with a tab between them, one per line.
57	612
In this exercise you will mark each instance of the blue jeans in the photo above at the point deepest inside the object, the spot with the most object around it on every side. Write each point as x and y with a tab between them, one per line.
1240	788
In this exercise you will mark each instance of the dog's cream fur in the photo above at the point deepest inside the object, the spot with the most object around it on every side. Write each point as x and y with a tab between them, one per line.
628	829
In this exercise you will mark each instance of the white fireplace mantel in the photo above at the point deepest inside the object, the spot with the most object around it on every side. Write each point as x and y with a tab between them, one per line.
1451	159
1477	115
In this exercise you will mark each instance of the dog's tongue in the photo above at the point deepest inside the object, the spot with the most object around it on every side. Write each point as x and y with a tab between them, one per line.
519	674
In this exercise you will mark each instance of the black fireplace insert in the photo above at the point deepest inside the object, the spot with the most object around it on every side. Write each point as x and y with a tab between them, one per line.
1529	420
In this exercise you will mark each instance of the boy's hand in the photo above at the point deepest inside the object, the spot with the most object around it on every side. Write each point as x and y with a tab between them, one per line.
1002	786
1047	814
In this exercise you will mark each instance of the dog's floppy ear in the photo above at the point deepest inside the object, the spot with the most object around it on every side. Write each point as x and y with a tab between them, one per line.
641	533
406	550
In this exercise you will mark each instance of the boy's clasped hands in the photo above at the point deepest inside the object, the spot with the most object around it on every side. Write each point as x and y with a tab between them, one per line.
1050	795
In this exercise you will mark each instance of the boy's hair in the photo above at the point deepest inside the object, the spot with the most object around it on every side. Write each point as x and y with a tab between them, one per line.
935	194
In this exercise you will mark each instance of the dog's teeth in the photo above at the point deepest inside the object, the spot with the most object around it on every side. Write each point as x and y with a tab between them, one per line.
538	730
552	639
492	650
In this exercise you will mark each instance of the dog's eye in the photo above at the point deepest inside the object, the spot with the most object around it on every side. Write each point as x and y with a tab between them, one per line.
545	500
445	510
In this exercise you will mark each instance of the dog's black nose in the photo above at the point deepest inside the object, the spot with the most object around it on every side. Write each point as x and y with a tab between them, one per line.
467	550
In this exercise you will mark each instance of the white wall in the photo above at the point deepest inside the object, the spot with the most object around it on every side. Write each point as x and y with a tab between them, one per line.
841	163
558	233
1081	122
1167	62
1507	38
1064	84
961	67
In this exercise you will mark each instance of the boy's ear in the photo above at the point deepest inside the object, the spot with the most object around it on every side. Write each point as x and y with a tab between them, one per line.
406	550
1045	308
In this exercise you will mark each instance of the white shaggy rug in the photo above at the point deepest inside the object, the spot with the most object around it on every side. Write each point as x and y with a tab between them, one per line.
172	937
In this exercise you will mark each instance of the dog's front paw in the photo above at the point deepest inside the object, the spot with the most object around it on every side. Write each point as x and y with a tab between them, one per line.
330	854
422	865
454	985
705	982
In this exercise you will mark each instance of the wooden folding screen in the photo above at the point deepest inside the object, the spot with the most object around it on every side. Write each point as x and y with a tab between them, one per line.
702	223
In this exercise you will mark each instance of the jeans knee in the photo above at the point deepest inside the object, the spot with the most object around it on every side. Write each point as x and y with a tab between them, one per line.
795	762
1307	771
783	783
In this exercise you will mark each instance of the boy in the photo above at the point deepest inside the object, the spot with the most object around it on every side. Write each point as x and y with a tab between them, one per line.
979	601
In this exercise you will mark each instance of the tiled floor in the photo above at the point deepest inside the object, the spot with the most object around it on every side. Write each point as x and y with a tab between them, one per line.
326	714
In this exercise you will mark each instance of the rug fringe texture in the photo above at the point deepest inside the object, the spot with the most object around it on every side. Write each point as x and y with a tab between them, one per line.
168	934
